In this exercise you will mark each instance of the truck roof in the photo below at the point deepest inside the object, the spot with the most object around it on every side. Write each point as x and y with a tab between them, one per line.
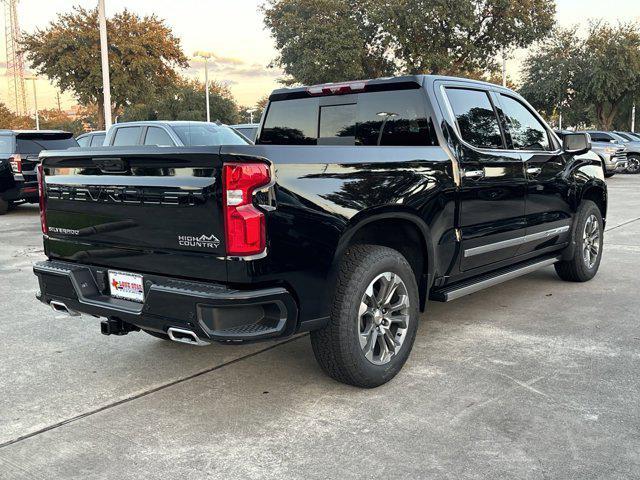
376	84
36	133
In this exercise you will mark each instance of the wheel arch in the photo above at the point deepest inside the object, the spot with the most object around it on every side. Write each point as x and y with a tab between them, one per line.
403	231
598	195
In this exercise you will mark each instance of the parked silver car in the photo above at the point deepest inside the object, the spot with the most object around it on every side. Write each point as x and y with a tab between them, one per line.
632	148
612	154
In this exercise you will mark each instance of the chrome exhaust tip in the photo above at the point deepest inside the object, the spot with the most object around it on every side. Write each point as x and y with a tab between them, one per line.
60	307
186	336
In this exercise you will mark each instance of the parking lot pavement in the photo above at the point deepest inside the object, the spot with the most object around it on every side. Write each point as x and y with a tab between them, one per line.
535	378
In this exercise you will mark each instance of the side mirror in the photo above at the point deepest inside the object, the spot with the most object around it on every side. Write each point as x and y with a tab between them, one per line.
576	143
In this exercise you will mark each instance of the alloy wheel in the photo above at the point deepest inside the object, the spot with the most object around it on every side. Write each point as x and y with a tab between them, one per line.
591	241
633	165
383	318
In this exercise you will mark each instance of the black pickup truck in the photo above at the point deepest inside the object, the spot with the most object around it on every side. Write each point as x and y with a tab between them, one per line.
357	204
19	150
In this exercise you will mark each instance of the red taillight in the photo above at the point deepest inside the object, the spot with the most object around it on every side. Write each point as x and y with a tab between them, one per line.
43	199
244	223
16	163
336	88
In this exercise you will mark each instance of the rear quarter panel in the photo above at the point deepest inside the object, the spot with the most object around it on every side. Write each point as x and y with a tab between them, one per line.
323	193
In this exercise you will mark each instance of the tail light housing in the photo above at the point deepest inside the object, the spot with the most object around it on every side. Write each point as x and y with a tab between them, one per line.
42	198
245	227
16	163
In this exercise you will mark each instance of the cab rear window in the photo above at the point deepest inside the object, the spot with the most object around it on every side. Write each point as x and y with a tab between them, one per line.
390	118
33	146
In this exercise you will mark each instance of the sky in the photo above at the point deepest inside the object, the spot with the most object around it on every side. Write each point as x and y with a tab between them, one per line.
233	31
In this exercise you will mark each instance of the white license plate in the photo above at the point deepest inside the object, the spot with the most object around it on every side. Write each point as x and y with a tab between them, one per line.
128	286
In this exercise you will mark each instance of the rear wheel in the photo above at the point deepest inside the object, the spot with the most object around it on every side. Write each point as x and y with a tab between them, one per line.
374	318
588	241
633	164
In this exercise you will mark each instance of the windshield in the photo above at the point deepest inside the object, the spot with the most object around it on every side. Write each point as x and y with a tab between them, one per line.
207	134
625	136
6	144
33	146
618	137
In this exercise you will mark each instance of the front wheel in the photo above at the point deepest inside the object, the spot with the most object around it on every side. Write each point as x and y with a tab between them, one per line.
588	238
633	164
374	318
4	206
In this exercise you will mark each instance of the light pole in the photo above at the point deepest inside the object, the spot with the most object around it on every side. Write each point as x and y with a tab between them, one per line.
104	56
386	116
206	56
504	67
633	118
35	100
250	112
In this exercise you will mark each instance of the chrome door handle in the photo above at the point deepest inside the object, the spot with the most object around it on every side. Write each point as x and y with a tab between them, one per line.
534	170
473	173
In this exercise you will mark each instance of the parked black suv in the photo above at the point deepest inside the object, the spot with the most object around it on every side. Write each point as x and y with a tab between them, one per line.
19	150
359	202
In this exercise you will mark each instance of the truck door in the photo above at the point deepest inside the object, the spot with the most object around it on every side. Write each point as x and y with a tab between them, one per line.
547	210
493	186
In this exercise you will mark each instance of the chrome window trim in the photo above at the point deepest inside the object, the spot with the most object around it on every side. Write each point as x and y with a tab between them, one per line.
454	123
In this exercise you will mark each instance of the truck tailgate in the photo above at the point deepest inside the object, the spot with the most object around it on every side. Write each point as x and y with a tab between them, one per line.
140	209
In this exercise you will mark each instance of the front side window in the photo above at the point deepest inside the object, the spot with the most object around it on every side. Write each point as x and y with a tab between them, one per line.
476	118
600	137
527	133
84	141
158	137
127	136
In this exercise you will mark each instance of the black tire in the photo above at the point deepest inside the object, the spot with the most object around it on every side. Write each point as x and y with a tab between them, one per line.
4	206
633	164
577	268
337	346
162	336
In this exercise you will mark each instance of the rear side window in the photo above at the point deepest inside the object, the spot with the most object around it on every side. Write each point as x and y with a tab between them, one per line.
126	136
6	144
33	146
527	133
476	118
84	141
291	122
207	134
158	137
395	118
98	140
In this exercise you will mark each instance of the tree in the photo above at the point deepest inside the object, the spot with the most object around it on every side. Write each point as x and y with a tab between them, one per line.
549	76
143	56
10	120
334	40
326	40
185	100
56	120
592	80
610	74
463	36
